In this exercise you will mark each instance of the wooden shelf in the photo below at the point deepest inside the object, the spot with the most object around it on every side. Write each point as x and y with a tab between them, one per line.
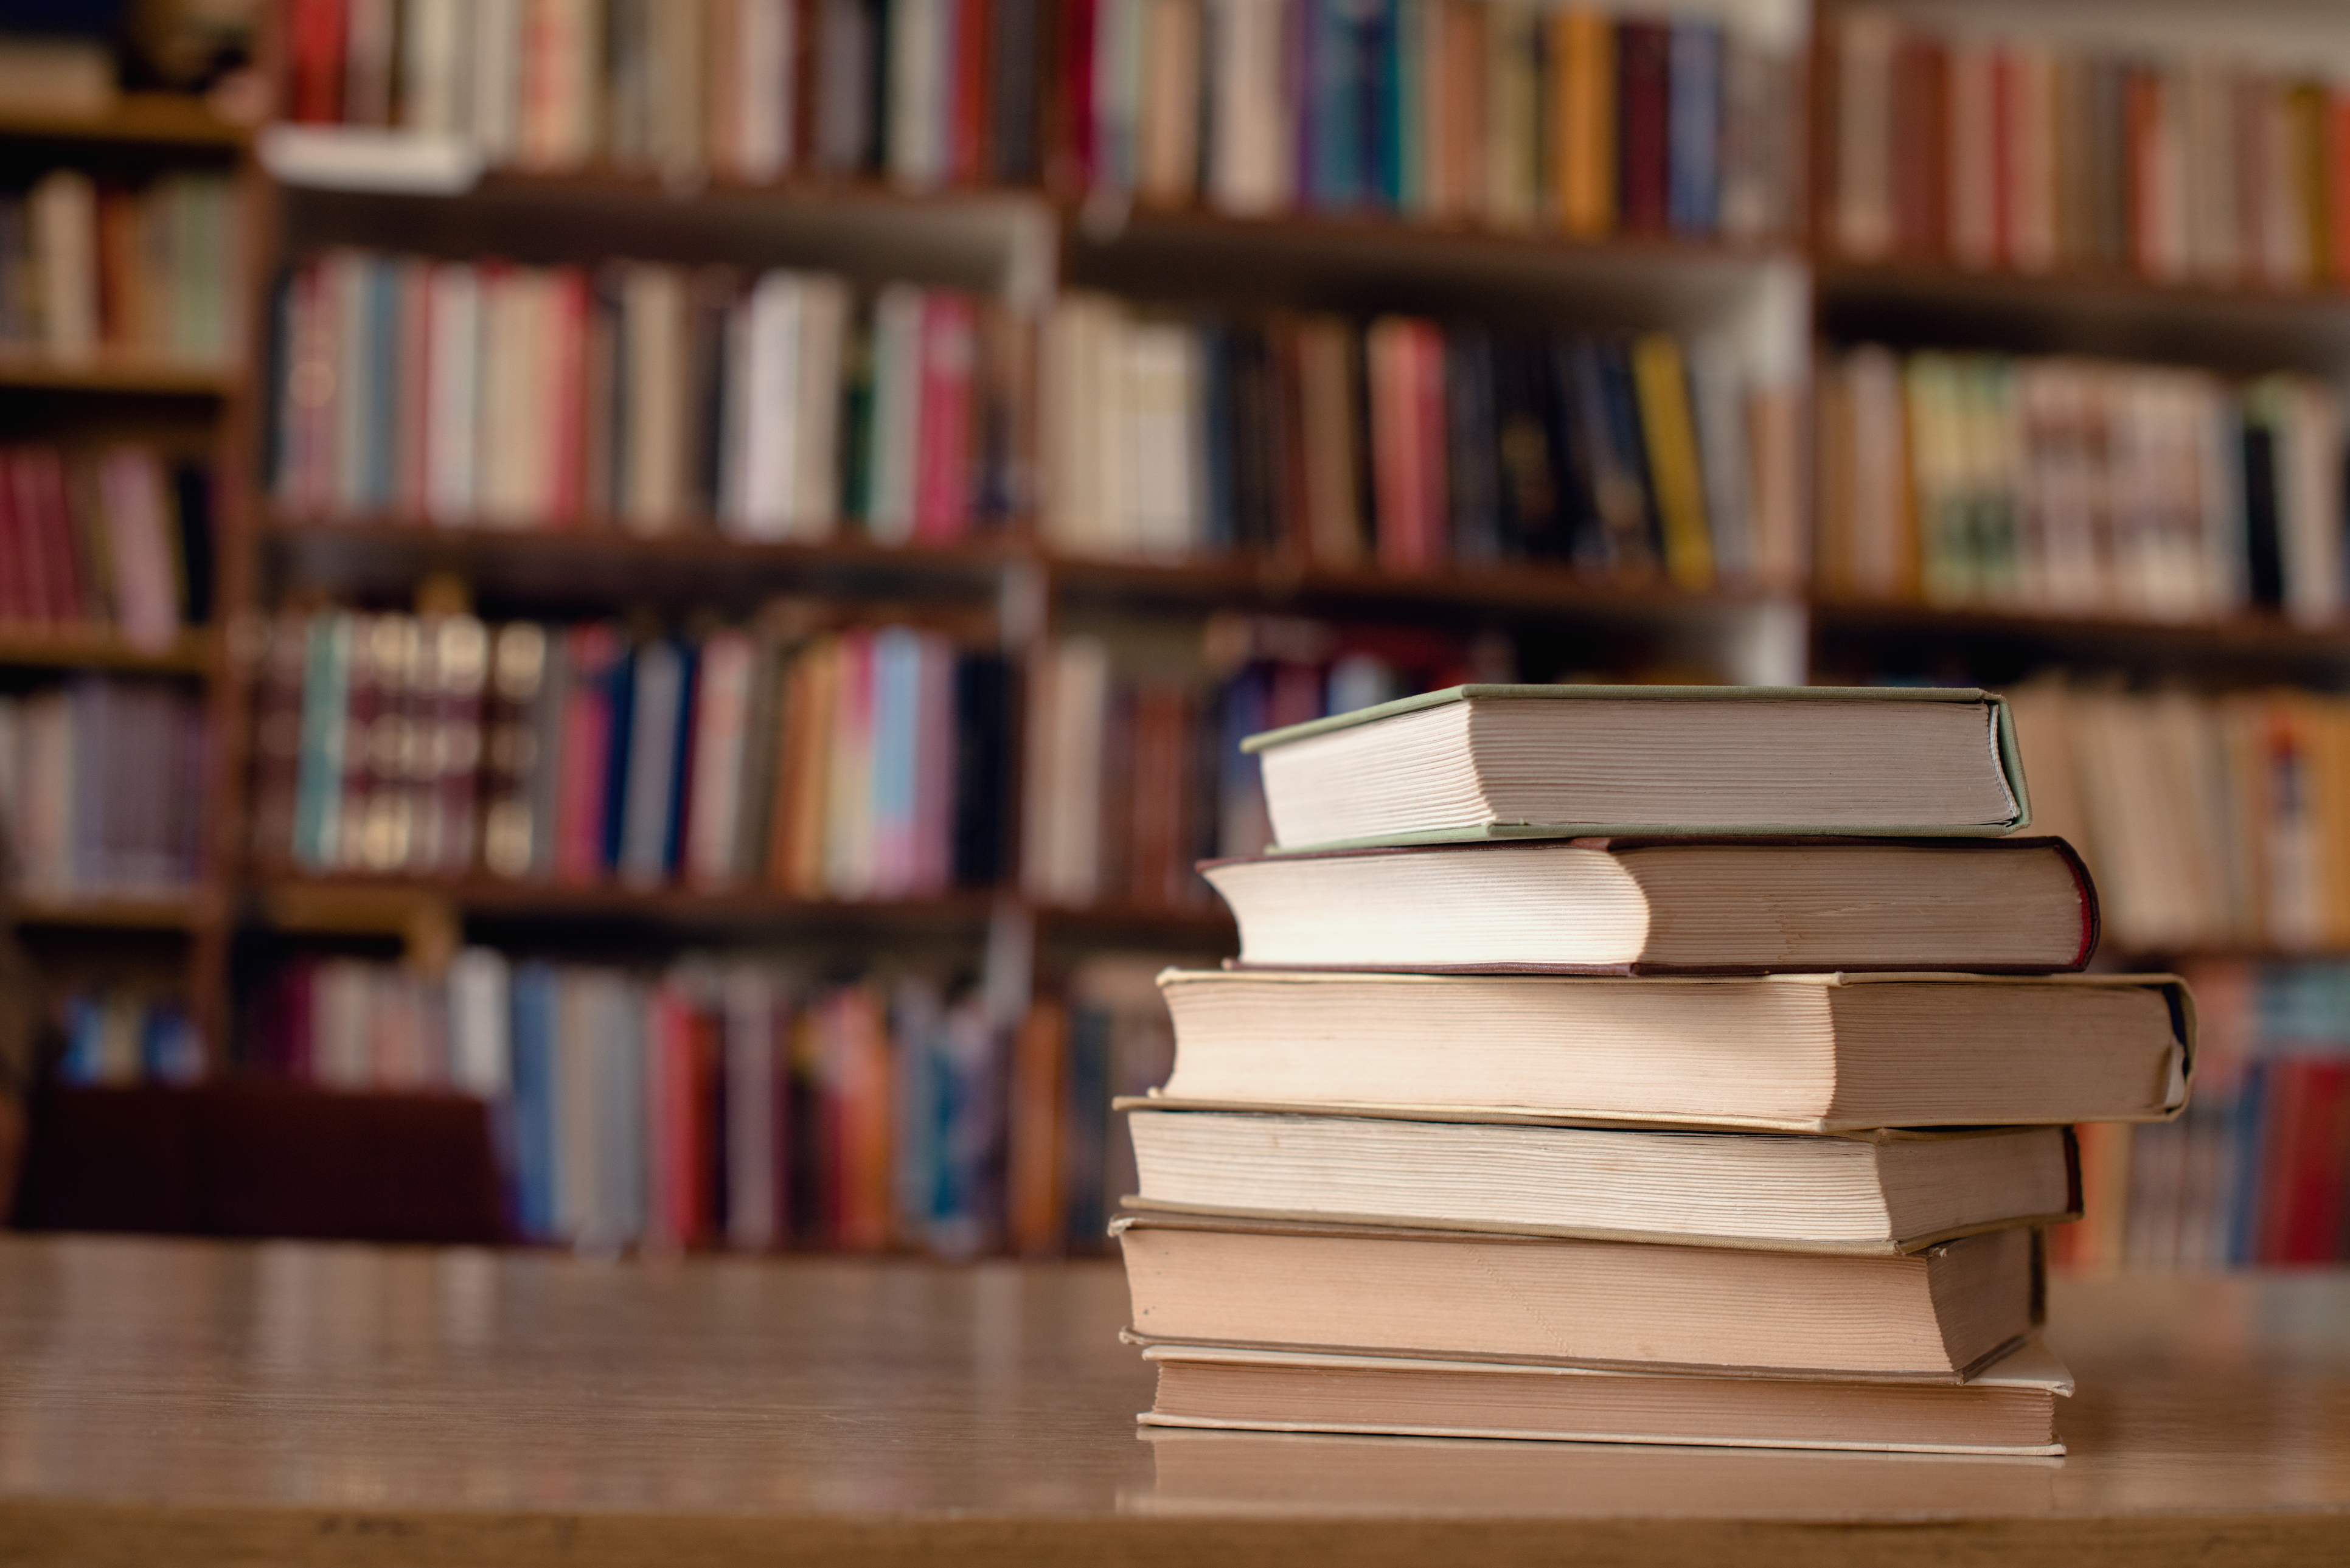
100	649
2239	640
126	374
359	902
158	118
165	913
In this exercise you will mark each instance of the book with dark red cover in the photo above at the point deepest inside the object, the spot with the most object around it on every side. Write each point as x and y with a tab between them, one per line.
1644	101
314	61
1920	154
1072	150
950	349
46	530
594	655
16	604
967	28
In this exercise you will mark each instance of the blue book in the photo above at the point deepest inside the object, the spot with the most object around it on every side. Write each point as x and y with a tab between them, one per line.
897	725
531	1114
1693	128
656	712
1221	508
318	773
1377	44
380	453
1337	78
620	690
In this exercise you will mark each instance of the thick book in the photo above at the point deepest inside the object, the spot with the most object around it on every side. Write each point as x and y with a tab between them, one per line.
1667	905
2008	1408
1502	762
1819	1052
1869	1192
1938	1316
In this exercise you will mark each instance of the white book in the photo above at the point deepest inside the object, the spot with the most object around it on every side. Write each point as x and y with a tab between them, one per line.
823	324
1249	165
767	41
436	89
1061	833
2309	490
342	1002
453	357
896	441
646	805
480	1046
508	485
655	396
720	714
919	90
61	210
750	1000
496	85
1077	335
1717	403
1158	404
763	445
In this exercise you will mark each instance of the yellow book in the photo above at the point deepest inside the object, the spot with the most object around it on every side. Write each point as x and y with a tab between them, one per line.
1583	54
1663	389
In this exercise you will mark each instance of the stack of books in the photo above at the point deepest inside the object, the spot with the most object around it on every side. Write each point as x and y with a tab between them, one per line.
1638	1064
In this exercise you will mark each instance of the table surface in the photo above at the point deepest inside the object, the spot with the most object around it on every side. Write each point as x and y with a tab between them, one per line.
299	1402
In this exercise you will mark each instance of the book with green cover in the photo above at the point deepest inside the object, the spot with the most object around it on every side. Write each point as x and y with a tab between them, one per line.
1531	762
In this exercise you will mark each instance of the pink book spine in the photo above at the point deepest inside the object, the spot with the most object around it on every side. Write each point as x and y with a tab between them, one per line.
567	349
587	738
942	451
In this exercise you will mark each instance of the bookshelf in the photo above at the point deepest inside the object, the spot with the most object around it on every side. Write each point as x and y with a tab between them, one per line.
1090	203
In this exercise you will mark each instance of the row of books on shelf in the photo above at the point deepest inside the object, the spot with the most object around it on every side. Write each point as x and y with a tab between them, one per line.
1513	115
648	396
2257	1173
102	788
930	90
142	270
2075	486
2211	821
1961	142
746	1103
1413	445
1134	772
110	538
117	1032
849	763
1519	117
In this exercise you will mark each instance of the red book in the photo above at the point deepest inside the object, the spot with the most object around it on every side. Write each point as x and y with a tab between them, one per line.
1072	161
950	352
2004	152
2142	135
669	1096
2310	1177
1920	146
595	655
1643	104
970	26
14	590
314	61
2337	173
45	534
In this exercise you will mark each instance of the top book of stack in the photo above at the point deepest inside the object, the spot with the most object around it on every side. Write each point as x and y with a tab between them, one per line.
1533	762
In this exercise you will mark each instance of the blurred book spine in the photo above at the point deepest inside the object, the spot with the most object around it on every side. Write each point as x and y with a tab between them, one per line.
92	265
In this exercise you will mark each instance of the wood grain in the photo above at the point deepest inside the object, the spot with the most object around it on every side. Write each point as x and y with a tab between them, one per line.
193	1402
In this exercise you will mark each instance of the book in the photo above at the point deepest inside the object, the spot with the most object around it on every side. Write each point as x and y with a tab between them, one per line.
1942	1315
2006	1408
1636	906
1769	759
1869	1192
1794	1053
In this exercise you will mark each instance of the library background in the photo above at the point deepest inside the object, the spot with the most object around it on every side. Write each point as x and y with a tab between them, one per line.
620	623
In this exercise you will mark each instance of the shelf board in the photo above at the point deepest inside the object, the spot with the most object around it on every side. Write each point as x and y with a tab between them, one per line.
2112	311
360	901
109	371
158	118
164	912
78	647
2247	637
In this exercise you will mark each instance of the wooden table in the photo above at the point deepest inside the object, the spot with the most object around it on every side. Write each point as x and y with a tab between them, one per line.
181	1403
